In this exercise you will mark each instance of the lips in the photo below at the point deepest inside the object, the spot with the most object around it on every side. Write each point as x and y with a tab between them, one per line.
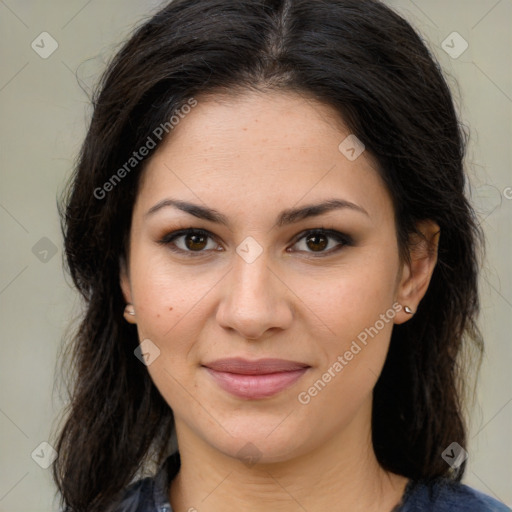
255	379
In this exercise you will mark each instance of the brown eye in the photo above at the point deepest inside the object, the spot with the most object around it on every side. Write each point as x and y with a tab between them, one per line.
192	242
195	242
319	240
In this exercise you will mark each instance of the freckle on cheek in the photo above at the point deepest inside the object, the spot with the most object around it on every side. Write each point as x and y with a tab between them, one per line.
170	308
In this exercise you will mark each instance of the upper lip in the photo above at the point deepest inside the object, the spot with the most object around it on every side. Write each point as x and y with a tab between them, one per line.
257	367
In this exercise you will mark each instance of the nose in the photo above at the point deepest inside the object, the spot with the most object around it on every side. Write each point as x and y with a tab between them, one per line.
255	299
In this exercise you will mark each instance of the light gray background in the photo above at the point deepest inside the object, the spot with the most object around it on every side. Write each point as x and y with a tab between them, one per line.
44	114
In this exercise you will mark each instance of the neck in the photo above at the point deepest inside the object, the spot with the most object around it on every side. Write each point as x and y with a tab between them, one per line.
342	474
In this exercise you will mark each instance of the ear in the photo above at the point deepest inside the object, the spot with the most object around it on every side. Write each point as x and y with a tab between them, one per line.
417	272
124	281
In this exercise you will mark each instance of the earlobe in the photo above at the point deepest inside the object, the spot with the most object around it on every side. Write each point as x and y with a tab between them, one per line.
417	272
129	314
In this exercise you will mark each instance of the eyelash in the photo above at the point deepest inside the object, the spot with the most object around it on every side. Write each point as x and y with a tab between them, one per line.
168	239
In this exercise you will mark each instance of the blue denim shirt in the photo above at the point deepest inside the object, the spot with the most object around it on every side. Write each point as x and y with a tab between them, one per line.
150	494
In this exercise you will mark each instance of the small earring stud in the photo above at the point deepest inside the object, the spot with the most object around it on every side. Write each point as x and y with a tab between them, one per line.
129	310
408	310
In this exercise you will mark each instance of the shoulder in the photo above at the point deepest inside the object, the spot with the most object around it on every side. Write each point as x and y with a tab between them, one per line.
444	495
150	494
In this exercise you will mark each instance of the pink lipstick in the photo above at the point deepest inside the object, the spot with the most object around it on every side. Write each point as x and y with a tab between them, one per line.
255	379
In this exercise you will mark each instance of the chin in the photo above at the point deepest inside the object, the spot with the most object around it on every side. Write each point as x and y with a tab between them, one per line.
261	442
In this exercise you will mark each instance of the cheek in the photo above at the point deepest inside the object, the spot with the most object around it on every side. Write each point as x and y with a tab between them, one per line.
353	297
358	310
173	304
165	293
357	315
169	313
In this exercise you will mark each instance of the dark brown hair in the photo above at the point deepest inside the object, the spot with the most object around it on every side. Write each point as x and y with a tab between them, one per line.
371	67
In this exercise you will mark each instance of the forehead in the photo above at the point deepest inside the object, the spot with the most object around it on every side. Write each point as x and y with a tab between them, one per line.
257	151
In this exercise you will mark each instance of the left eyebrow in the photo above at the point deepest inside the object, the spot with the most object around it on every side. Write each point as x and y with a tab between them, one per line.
289	216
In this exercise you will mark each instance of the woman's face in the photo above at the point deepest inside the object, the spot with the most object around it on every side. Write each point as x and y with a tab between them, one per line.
259	284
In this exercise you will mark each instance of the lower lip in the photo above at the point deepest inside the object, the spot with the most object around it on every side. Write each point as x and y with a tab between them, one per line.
256	386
